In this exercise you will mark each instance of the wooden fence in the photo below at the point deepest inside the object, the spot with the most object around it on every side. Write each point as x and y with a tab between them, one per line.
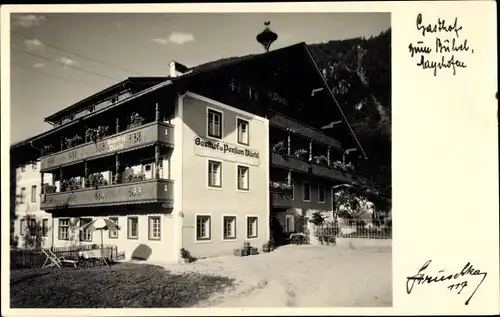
24	258
353	230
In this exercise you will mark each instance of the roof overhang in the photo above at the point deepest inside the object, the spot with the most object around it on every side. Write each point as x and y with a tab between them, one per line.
101	96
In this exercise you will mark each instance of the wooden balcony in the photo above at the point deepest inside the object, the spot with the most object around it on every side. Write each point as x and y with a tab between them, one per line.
281	199
147	191
289	162
285	123
331	173
292	163
127	140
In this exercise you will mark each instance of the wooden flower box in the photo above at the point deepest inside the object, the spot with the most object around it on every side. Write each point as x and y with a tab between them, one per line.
254	251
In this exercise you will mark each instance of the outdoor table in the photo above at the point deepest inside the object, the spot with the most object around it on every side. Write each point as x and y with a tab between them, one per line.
98	255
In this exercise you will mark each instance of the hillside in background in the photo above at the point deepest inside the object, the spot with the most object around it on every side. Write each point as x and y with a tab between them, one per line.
359	73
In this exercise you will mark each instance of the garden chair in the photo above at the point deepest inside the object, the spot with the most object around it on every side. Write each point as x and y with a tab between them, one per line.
50	261
55	260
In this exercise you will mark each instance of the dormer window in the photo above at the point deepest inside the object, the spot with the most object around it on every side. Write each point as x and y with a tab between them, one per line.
234	85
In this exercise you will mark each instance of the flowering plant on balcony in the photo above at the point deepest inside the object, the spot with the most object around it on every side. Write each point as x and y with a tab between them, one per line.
74	141
299	153
94	134
102	131
90	135
47	149
70	184
342	166
321	159
279	147
135	120
132	177
117	178
48	189
95	180
280	185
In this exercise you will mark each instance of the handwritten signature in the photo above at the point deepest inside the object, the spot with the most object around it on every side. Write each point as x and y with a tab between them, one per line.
468	269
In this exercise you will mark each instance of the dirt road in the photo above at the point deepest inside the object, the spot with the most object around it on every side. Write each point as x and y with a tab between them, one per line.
303	276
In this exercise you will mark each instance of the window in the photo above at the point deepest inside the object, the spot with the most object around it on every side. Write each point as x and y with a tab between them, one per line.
242	131
214	174
243	177
63	229
234	85
252	227
203	228
85	235
321	193
214	124
289	223
113	234
293	188
306	191
45	227
23	227
22	195
133	228
154	228
33	194
32	227
252	94
229	223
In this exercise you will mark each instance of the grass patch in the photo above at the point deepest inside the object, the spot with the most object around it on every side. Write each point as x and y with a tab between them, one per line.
123	285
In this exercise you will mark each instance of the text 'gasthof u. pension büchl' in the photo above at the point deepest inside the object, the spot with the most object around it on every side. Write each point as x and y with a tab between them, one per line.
441	47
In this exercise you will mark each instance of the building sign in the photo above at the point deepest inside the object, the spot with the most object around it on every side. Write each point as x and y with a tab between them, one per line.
225	151
277	98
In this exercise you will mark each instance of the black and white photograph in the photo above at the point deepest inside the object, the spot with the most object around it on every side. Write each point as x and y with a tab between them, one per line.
172	160
239	159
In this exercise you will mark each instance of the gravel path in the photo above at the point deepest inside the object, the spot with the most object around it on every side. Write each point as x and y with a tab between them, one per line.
302	276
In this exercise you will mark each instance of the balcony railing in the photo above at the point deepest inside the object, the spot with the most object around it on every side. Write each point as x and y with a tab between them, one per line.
290	162
127	140
147	191
281	199
285	123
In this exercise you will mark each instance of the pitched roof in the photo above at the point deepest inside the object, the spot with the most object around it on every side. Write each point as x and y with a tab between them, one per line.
161	82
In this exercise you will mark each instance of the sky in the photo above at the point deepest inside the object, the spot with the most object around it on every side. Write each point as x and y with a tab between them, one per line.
58	59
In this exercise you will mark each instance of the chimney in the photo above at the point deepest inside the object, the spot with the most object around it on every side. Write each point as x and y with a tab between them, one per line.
177	69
